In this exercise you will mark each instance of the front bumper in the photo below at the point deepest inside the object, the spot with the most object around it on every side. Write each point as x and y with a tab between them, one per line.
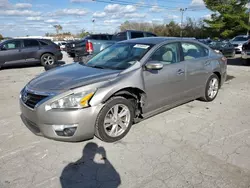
238	49
41	122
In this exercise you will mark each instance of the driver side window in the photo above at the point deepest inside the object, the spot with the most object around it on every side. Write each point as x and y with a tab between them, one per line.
12	45
167	54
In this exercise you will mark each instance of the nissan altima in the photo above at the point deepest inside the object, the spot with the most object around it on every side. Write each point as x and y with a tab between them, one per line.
127	81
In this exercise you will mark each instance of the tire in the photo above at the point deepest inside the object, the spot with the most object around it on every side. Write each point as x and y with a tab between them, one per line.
208	97
48	59
105	116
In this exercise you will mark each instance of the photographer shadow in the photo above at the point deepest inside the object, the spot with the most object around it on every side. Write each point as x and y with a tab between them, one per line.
91	170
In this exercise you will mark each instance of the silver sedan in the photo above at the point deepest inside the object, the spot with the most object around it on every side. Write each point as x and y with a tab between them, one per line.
128	81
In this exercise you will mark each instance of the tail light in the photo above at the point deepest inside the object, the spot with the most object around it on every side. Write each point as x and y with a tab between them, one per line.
58	47
89	47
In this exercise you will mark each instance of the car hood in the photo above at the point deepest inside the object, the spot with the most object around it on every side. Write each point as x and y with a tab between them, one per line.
69	77
238	42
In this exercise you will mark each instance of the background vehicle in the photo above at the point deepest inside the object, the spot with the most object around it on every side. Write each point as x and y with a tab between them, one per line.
128	80
226	48
93	44
245	54
238	41
80	47
62	44
24	50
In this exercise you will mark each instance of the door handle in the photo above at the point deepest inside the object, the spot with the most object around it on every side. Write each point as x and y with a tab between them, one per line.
180	72
207	63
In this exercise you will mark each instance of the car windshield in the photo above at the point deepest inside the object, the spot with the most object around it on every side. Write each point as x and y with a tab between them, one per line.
220	44
243	38
119	56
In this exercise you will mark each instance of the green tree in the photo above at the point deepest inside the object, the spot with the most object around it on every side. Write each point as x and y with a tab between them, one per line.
58	28
83	33
1	37
229	18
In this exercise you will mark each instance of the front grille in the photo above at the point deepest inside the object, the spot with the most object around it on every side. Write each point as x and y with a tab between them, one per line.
236	45
31	99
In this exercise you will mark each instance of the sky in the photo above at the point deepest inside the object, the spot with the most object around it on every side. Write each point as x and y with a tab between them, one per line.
37	17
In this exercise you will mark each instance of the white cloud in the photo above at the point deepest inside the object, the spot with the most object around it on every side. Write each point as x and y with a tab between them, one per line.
115	8
99	14
135	15
23	5
72	12
19	13
171	16
80	1
248	5
51	21
197	4
4	4
207	17
34	18
155	9
111	21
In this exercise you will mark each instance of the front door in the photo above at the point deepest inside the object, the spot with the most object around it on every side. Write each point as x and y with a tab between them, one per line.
165	86
10	52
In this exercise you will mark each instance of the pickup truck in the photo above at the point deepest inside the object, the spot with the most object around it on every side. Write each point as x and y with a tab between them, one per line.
90	46
79	46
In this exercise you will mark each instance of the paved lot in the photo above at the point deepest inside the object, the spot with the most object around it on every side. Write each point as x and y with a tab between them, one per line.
195	145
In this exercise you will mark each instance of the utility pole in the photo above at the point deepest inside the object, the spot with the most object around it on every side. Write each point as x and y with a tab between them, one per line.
93	21
182	13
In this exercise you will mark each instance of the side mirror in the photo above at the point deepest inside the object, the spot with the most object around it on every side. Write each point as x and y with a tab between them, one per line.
154	65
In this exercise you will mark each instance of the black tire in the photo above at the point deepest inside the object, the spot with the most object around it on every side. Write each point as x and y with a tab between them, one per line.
99	126
206	97
52	59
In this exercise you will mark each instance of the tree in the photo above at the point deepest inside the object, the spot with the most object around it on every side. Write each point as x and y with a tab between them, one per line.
1	37
229	18
58	28
83	33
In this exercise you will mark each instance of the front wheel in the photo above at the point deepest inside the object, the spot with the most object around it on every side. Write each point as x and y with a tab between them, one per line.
212	88
47	59
115	119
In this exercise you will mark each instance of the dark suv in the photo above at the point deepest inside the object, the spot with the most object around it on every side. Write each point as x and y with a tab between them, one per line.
24	50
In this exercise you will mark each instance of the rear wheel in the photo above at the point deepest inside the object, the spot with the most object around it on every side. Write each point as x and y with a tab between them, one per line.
47	59
115	119
212	88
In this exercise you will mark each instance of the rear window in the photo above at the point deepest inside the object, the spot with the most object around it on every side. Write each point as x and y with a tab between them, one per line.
30	43
42	43
150	35
120	36
136	35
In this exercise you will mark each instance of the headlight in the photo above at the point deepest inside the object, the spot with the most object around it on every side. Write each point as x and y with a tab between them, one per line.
75	100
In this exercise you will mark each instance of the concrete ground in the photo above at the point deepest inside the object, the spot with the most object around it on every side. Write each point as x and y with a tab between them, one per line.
200	145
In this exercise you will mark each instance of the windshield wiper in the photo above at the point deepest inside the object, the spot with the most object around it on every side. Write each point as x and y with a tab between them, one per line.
97	66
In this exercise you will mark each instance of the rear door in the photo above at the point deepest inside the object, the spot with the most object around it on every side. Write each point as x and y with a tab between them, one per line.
31	48
198	65
166	86
11	52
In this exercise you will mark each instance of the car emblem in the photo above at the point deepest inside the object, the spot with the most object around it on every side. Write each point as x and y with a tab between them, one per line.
25	97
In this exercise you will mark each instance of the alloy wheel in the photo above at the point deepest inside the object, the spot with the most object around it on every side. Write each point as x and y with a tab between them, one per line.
213	88
117	120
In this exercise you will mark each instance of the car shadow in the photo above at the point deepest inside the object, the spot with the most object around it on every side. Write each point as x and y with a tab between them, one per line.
229	77
93	169
237	61
27	65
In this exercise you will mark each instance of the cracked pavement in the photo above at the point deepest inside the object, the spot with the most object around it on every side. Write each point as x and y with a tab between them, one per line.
196	145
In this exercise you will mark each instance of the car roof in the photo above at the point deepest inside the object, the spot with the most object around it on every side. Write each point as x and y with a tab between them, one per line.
156	40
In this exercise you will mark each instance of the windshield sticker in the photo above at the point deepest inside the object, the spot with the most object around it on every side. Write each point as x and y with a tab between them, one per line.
141	46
